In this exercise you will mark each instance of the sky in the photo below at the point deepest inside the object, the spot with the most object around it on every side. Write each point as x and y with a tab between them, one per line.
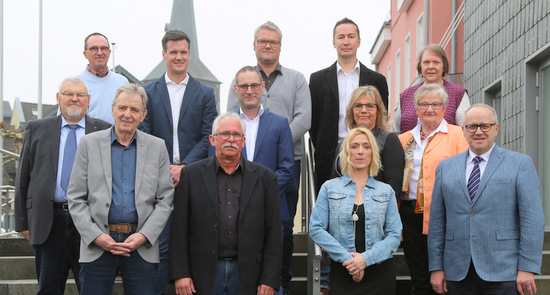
225	30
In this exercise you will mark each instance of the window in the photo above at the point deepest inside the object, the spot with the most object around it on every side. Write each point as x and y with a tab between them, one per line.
419	33
397	81
493	97
407	75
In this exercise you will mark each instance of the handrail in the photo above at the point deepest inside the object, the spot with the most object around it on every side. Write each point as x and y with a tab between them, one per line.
6	224
308	202
12	154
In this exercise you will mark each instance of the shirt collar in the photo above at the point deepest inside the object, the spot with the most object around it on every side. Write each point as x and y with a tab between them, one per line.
113	137
441	128
339	68
245	117
219	168
485	156
347	180
89	69
81	123
184	82
277	69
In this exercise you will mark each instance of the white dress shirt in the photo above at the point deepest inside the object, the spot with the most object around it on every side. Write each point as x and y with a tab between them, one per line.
176	93
347	83
482	165
251	132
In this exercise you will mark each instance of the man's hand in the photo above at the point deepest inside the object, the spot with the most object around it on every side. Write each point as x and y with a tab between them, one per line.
25	234
105	242
184	286
438	281
356	264
134	241
175	171
526	282
265	290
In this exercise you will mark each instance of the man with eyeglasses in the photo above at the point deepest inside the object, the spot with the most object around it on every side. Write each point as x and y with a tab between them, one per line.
486	224
286	94
102	83
331	90
41	209
226	229
181	111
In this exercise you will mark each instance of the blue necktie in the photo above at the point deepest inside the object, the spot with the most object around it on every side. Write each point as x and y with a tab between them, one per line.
68	156
473	181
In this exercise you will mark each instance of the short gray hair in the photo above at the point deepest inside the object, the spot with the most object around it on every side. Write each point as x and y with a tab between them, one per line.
424	89
72	79
132	89
248	69
231	115
268	26
482	105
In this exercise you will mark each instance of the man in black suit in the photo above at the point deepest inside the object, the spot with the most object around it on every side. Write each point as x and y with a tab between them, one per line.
331	90
41	211
227	221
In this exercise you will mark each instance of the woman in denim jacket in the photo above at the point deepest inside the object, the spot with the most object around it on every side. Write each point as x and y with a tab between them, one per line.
355	219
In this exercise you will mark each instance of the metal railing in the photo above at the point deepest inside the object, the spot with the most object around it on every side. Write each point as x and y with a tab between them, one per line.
308	202
7	218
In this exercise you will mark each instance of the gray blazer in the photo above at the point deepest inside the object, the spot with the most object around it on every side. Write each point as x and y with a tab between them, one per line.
90	192
501	231
37	173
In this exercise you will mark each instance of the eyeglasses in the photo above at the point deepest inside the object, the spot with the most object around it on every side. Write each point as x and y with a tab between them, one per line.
71	95
485	127
360	106
272	43
435	105
227	135
253	86
96	49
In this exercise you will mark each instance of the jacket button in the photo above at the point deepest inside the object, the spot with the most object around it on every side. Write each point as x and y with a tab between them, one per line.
471	213
105	225
213	252
107	205
215	225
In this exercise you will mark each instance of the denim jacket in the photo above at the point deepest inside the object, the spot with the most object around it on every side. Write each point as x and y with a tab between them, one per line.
331	226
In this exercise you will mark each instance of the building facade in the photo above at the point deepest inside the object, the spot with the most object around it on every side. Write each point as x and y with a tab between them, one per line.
507	65
414	24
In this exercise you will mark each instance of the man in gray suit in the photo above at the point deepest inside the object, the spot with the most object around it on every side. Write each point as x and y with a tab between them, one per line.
120	197
486	223
41	214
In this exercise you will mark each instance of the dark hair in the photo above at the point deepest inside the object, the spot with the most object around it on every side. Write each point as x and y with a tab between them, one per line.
94	34
248	69
345	20
174	35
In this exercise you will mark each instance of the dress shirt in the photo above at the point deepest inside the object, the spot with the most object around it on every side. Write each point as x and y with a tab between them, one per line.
482	165
176	93
60	195
251	132
269	80
123	165
419	149
229	193
347	83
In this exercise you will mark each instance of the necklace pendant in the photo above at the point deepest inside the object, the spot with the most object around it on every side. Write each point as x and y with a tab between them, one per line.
354	217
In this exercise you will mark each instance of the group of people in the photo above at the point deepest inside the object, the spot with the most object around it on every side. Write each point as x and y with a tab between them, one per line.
172	191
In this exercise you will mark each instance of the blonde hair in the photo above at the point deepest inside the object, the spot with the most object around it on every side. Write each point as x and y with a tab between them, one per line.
346	164
372	92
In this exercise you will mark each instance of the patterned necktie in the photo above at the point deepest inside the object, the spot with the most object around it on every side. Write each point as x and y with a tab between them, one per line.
473	181
68	156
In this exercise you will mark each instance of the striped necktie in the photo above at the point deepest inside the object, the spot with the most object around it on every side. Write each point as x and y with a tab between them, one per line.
475	176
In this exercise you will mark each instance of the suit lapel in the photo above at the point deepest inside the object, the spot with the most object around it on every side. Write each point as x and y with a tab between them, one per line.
141	155
461	172
208	172
249	183
265	121
54	142
187	96
90	125
494	162
105	154
162	90
333	83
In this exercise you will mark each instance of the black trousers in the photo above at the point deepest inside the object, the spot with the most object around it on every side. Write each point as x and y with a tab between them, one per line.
474	285
415	247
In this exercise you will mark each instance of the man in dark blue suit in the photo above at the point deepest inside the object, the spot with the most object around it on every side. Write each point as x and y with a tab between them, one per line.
180	110
269	140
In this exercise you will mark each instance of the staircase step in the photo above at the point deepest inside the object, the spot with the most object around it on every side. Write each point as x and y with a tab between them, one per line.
15	247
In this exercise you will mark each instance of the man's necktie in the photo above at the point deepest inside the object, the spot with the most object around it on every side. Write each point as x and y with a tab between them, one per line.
68	156
473	181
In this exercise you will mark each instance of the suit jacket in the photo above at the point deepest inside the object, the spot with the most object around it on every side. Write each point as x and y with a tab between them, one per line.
36	175
325	109
197	113
90	192
195	231
501	231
